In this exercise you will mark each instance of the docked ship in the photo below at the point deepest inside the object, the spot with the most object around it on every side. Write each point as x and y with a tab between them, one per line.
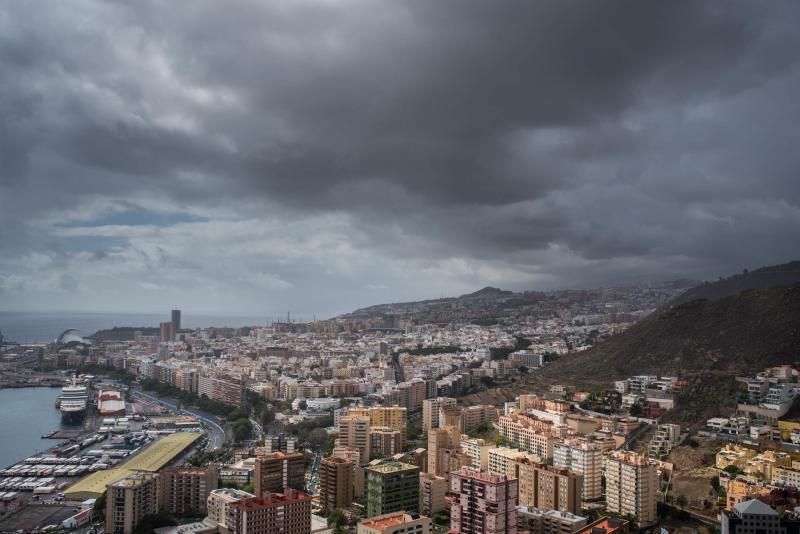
72	401
110	403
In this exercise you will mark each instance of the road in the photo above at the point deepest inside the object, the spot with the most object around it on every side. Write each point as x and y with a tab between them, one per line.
313	479
398	369
258	430
635	435
708	520
216	434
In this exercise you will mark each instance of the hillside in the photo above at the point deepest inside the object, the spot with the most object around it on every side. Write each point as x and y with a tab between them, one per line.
123	333
772	276
490	305
708	342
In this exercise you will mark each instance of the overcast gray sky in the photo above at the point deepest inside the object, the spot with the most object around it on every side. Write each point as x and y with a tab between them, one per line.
322	155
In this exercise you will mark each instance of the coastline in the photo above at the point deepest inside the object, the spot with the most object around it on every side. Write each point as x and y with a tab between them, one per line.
31	418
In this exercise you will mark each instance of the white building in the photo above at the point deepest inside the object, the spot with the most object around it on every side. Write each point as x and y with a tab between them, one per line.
752	517
632	487
584	459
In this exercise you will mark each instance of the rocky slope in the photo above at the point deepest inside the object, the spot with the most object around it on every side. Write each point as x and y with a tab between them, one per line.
708	342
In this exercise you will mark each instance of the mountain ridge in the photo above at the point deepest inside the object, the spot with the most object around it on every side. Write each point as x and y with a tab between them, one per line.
784	274
706	342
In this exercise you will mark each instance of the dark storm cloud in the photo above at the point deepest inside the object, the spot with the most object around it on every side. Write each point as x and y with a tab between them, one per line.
552	142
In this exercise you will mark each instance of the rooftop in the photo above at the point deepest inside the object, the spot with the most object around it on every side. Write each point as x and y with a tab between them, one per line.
151	459
231	494
466	472
391	467
271	499
134	479
754	506
388	520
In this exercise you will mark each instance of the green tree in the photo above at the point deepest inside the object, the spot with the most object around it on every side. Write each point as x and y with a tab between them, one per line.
242	429
267	416
441	518
682	501
100	505
337	519
732	469
636	410
330	443
236	415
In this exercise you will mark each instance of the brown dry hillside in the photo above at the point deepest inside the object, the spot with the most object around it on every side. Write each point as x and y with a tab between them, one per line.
773	276
708	342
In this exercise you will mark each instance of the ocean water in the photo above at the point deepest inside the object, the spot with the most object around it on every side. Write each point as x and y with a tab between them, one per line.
25	415
46	327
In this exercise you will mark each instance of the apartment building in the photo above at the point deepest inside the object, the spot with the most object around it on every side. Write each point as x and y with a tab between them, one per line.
536	521
527	358
391	487
354	433
185	490
348	453
430	411
450	416
278	513
786	476
474	416
639	383
483	503
548	488
278	472
224	388
411	394
554	411
502	460
477	449
666	437
384	442
528	433
631	486
219	502
291	388
585	459
432	490
395	417
129	500
336	483
396	523
444	451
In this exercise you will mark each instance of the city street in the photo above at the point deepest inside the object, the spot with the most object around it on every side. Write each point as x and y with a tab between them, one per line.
216	434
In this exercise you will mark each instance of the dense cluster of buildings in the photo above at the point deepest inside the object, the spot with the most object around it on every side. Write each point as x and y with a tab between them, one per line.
547	461
531	465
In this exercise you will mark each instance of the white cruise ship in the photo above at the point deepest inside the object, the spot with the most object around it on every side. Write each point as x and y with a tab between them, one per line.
72	401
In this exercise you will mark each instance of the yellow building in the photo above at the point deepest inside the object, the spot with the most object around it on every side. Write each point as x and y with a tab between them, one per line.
395	417
786	428
763	465
152	459
735	455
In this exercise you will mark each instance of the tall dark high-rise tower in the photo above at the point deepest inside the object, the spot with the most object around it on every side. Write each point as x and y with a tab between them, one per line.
176	319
